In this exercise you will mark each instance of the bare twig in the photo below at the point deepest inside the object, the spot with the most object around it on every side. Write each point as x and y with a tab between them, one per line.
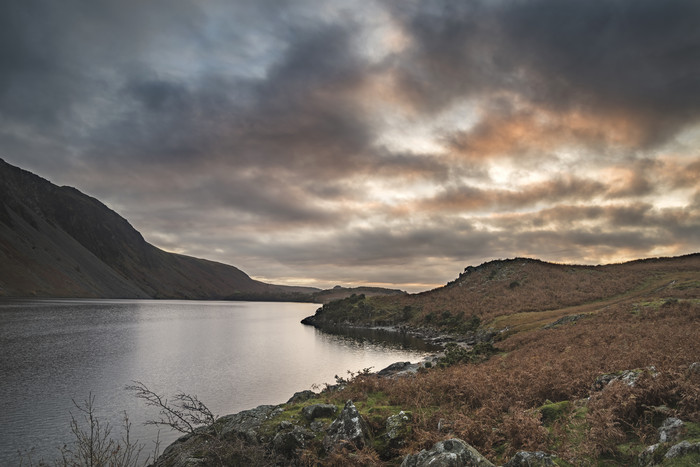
185	414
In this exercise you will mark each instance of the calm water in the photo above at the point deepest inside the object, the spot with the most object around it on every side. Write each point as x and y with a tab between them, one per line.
233	355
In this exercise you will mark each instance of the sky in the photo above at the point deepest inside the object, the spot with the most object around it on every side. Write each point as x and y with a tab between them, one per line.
368	142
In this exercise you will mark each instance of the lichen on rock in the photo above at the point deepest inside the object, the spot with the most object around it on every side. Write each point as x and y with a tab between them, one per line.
449	453
348	430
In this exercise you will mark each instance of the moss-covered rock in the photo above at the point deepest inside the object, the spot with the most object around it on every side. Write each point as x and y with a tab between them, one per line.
554	411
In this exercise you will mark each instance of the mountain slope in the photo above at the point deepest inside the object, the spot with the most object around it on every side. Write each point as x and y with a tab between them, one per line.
58	242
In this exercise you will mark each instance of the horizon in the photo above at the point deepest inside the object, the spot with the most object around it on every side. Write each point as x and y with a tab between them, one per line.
381	143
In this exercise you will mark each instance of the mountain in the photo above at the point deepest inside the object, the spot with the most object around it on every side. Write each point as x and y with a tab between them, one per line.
58	242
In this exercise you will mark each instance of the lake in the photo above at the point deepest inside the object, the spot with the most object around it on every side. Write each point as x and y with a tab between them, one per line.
232	355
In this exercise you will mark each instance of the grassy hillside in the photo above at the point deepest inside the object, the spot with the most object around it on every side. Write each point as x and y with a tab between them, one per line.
339	293
511	293
536	391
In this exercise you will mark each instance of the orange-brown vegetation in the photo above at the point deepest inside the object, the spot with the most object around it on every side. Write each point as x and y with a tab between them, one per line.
505	404
508	287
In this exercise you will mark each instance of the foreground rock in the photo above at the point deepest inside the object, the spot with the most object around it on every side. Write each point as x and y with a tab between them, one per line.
449	453
217	444
256	437
348	430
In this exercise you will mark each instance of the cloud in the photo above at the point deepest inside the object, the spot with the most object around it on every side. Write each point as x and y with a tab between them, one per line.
386	141
628	60
466	198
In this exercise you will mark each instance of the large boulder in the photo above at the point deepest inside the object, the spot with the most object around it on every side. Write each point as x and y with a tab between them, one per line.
348	430
207	442
448	453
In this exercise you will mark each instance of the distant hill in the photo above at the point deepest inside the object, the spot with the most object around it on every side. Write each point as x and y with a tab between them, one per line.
338	292
58	242
497	292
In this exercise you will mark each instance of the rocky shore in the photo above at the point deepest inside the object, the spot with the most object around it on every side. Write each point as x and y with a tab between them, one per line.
275	434
278	434
363	432
431	336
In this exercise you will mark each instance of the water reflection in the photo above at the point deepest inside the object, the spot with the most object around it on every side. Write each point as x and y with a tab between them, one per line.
374	337
233	355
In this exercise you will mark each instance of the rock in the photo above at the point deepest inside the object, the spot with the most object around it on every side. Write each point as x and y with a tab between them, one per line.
448	453
286	443
246	423
310	321
397	429
694	367
284	425
312	412
682	449
317	426
393	368
671	430
301	396
196	449
399	369
348	429
530	459
646	457
629	377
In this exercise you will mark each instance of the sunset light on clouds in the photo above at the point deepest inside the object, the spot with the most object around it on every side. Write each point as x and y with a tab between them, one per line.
381	142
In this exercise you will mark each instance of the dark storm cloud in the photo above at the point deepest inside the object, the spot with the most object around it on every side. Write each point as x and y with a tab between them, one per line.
633	55
300	116
160	96
639	60
53	53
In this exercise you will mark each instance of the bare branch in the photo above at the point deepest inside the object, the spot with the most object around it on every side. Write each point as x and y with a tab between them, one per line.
185	414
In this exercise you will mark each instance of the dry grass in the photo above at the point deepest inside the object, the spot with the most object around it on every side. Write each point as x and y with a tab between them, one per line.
493	405
522	286
639	315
